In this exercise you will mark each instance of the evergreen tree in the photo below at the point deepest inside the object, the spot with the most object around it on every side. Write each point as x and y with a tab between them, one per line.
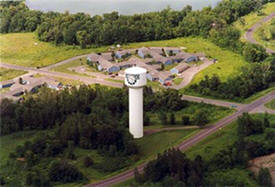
264	178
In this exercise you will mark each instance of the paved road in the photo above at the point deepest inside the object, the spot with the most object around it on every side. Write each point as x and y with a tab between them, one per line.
188	74
233	105
191	141
249	34
86	80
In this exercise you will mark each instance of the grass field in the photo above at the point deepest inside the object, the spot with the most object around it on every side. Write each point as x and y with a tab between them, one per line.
271	104
7	74
210	146
65	68
254	17
228	65
263	36
25	50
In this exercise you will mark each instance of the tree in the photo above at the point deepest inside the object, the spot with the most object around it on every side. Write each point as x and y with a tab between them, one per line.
266	122
82	38
20	80
172	119
254	52
185	120
264	178
200	118
88	161
113	55
138	177
162	117
146	119
63	171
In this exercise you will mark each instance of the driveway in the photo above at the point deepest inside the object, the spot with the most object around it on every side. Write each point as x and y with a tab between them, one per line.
249	34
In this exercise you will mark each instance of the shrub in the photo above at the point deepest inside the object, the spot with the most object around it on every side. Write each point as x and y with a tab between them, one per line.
200	118
172	119
254	52
264	177
185	120
88	161
64	172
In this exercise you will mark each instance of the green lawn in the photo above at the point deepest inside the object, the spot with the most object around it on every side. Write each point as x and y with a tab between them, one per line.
271	104
177	81
263	36
169	67
7	74
65	68
228	65
254	17
114	80
25	50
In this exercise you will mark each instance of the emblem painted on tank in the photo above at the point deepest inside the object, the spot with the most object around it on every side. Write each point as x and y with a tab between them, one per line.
132	79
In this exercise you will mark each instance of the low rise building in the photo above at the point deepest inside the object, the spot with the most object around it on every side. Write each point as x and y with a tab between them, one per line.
180	68
6	84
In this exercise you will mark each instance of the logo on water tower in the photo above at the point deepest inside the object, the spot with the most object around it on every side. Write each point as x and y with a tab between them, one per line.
132	79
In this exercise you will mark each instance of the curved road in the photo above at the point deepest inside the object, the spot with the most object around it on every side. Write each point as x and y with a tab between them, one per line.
249	34
191	141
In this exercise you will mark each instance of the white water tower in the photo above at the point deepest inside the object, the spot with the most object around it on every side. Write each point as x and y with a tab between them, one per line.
135	79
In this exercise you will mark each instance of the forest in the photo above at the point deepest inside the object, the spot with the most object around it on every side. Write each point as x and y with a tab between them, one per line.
112	28
174	168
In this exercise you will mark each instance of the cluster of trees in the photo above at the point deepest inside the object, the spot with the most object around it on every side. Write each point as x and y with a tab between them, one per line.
172	168
199	118
81	29
102	106
83	132
252	79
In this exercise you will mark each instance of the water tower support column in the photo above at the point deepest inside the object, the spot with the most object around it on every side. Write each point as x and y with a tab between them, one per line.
136	112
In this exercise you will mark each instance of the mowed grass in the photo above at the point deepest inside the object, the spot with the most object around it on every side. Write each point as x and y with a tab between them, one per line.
177	81
221	139
264	31
26	50
271	104
65	68
229	63
254	17
7	74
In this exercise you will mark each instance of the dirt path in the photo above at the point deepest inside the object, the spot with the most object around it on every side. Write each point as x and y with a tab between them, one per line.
249	34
